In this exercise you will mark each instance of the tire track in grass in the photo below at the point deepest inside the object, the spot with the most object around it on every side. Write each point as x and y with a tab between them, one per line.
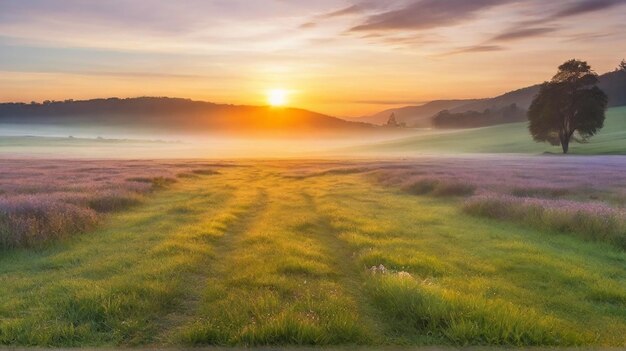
350	275
249	205
220	228
275	286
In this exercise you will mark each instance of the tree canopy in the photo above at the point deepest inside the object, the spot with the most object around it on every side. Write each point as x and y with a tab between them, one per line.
570	106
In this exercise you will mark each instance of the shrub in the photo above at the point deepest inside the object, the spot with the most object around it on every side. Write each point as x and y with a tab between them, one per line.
441	188
421	186
162	182
156	182
453	189
546	192
140	179
114	201
26	220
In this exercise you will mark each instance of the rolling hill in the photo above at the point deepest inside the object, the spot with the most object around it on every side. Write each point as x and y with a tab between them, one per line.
504	138
613	83
177	115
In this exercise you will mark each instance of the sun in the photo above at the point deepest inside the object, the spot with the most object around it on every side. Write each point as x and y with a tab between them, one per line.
277	97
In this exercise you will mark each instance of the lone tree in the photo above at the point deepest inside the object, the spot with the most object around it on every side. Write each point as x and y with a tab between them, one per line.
569	103
392	122
623	65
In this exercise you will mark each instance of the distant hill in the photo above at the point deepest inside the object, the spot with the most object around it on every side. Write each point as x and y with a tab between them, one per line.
414	116
612	83
521	97
175	114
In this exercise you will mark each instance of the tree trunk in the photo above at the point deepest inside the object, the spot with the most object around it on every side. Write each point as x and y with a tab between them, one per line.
565	143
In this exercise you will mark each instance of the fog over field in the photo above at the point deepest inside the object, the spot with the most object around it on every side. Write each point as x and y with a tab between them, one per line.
132	142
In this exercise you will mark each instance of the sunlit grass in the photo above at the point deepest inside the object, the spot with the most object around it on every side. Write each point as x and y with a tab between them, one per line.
276	281
255	256
112	286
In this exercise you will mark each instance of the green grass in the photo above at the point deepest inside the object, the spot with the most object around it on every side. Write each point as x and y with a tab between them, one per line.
506	138
252	257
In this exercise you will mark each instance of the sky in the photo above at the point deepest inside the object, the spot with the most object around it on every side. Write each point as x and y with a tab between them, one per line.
340	57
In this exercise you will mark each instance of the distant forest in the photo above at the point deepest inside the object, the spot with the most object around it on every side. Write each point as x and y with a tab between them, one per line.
109	106
473	119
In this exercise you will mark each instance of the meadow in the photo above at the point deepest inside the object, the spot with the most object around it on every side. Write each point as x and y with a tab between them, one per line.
476	250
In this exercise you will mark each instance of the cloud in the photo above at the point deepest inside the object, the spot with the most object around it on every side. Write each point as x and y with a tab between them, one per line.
582	37
308	25
350	10
117	74
157	17
575	9
522	33
411	40
586	6
422	15
346	11
474	49
524	30
426	14
513	34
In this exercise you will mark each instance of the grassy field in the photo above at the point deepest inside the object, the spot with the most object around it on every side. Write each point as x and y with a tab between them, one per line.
309	253
506	138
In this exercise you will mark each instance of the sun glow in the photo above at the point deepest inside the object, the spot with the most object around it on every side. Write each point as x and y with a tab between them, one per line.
277	97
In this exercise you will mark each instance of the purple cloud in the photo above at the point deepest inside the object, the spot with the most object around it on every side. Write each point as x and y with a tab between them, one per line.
427	14
522	33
